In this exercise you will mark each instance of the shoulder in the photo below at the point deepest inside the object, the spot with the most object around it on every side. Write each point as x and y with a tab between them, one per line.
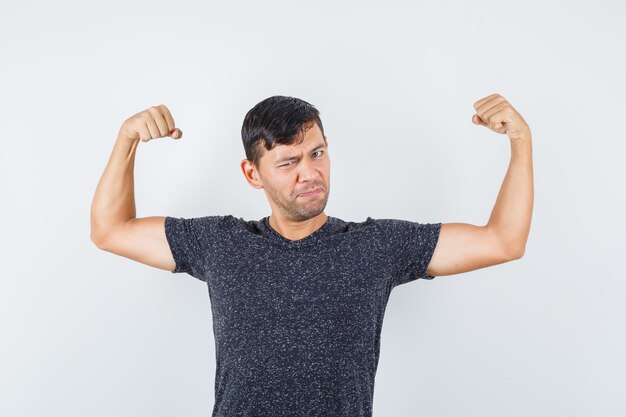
379	225
395	225
401	230
202	227
239	224
372	227
345	227
195	223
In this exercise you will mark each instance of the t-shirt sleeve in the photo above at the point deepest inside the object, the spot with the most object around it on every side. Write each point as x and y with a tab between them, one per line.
411	246
190	241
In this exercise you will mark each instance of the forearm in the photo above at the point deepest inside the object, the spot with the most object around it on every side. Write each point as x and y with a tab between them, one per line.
512	212
114	200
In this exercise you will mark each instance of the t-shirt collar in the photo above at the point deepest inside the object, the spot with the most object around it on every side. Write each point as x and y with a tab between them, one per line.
272	234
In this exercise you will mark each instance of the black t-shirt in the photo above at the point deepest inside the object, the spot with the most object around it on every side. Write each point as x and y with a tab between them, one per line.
297	323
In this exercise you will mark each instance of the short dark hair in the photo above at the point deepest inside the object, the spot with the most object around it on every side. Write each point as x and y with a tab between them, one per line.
276	120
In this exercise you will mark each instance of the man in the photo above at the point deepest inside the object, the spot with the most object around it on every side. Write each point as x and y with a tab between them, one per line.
298	297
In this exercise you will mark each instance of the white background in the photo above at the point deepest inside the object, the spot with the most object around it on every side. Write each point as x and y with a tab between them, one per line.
89	333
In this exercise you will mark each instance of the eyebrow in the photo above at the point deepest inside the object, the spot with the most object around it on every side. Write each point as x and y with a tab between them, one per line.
289	158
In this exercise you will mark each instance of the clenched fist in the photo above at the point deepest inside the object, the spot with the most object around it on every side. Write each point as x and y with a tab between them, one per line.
495	112
153	123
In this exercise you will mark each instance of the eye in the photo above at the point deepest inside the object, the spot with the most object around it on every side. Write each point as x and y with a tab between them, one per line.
318	151
285	165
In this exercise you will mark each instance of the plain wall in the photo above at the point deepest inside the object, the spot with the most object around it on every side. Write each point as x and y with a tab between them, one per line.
86	332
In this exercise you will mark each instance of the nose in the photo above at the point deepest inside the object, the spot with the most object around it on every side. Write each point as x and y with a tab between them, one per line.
307	171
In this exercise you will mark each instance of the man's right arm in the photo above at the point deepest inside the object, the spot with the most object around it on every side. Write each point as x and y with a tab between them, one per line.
114	226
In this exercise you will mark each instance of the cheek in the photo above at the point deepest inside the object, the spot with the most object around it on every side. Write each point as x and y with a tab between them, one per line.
326	170
284	183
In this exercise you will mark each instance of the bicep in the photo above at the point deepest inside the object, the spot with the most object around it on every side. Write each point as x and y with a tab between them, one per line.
465	247
142	240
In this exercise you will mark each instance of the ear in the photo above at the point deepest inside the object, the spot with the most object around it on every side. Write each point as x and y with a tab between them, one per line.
251	174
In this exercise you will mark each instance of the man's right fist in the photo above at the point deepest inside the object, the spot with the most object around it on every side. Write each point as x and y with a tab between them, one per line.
155	122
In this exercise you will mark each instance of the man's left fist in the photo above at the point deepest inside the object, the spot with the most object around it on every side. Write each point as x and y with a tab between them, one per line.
498	115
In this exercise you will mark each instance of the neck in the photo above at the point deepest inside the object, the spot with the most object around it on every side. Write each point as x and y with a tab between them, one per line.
294	229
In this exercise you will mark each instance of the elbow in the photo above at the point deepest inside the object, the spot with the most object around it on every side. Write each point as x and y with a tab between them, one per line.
517	252
98	233
97	238
511	248
94	236
96	241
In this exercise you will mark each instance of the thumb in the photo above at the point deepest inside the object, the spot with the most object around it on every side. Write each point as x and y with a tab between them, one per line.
176	133
477	120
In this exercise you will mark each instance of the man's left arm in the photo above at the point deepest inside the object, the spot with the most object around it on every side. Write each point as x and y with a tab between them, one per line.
463	247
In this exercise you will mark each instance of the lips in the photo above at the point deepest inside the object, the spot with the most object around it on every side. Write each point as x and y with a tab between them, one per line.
311	192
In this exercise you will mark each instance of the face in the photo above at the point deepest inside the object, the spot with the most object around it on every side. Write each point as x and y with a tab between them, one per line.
288	171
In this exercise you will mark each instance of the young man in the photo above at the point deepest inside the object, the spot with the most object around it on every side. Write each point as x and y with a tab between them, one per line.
298	297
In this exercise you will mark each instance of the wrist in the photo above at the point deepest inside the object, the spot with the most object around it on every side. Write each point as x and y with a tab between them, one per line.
125	145
525	136
521	147
122	135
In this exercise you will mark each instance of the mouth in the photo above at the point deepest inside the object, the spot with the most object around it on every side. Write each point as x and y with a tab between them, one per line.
311	193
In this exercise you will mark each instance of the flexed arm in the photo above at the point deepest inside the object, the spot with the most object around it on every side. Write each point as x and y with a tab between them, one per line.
512	212
465	247
114	226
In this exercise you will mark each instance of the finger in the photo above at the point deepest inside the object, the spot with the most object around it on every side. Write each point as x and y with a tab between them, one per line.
144	133
174	132
489	104
177	133
484	100
477	120
487	114
154	130
496	121
168	118
161	125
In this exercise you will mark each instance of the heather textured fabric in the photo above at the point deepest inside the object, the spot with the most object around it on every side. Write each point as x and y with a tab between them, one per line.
297	323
